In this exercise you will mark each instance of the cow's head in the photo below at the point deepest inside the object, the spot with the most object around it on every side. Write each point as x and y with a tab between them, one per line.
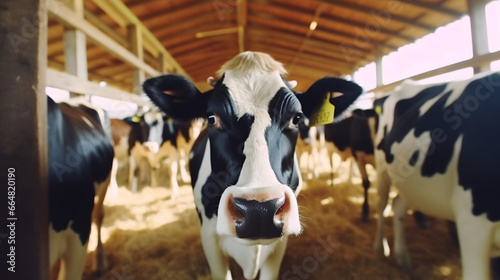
253	118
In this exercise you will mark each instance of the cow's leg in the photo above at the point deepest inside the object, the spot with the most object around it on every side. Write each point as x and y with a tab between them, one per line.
57	246
400	207
97	216
474	235
173	179
383	187
73	259
366	185
183	166
132	175
271	267
113	185
217	261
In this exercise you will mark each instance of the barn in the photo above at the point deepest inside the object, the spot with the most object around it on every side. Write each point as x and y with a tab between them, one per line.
107	49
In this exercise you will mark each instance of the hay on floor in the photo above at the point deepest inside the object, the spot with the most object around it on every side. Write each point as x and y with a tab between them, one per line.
148	236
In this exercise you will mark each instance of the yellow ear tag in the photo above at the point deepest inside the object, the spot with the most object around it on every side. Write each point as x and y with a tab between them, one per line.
378	110
136	119
324	114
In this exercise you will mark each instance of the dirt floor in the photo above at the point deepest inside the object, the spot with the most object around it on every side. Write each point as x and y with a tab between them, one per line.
148	236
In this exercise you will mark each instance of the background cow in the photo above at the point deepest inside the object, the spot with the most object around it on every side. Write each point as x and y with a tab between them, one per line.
439	145
147	140
80	160
353	137
244	171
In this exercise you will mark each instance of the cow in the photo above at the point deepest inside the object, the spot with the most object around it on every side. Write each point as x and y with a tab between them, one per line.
438	144
153	137
243	167
353	137
80	162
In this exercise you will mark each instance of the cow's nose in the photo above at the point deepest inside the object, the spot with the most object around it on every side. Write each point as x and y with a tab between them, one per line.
258	220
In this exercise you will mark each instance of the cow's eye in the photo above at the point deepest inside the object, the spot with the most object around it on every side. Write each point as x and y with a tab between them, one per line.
212	120
296	119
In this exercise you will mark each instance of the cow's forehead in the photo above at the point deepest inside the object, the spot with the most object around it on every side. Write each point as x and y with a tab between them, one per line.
253	91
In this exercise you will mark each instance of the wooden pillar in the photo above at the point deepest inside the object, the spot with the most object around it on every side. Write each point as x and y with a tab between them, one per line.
477	13
378	66
162	61
23	145
136	47
75	46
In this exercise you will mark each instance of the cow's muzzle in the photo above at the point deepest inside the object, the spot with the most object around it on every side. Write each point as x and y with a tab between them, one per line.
258	213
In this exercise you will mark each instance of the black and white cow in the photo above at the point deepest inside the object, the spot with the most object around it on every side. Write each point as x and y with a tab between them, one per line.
154	138
439	146
353	137
80	160
243	167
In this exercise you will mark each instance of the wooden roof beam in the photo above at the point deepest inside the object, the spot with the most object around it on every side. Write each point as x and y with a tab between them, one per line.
291	11
241	10
433	8
368	11
124	17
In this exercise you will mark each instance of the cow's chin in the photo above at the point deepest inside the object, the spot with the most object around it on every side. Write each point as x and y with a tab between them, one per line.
260	241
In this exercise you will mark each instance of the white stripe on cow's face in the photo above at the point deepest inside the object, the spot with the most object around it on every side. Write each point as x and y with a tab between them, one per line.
155	123
252	94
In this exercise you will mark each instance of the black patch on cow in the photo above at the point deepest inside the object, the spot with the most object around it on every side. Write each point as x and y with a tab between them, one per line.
79	155
360	133
282	135
338	133
474	115
139	131
173	128
353	132
226	148
414	158
406	115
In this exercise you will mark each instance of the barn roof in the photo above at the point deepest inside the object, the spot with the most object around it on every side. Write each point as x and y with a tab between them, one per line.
203	34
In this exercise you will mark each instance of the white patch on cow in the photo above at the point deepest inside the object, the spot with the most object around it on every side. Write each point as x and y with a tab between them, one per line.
203	174
66	245
252	94
156	131
421	192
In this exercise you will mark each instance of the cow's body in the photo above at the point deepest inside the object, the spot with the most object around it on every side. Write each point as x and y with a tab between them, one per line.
439	145
80	160
243	165
353	137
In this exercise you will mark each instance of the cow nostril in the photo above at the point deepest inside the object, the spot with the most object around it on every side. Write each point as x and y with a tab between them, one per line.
281	205
238	208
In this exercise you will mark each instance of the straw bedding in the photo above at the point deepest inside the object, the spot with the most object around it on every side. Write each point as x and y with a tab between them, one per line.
147	236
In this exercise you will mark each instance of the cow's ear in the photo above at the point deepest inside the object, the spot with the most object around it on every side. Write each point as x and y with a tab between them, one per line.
176	96
342	94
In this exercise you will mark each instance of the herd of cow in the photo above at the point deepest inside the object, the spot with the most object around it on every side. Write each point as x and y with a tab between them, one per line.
437	144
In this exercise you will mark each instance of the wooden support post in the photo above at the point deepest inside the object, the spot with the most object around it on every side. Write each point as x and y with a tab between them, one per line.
378	66
23	145
163	65
477	13
136	47
75	46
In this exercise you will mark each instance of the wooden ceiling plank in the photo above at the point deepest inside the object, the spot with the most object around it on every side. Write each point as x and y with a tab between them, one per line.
434	8
368	11
151	43
293	12
332	41
67	81
275	35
